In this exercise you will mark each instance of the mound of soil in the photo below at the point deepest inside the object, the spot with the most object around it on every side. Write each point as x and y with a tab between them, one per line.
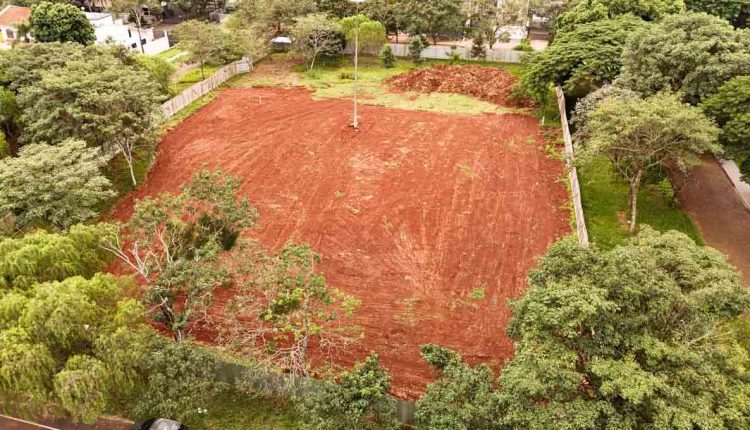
486	83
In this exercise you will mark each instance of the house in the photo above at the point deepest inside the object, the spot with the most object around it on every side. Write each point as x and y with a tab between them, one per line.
110	30
10	16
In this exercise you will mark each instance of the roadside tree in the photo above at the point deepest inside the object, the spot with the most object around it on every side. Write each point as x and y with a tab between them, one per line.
730	108
60	22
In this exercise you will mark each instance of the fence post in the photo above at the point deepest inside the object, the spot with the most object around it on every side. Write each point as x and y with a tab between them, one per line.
575	188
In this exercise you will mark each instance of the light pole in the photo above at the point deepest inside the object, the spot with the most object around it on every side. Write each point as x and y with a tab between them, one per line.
355	123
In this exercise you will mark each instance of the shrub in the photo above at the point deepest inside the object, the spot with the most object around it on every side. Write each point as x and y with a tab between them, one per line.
524	46
386	54
453	57
478	51
416	46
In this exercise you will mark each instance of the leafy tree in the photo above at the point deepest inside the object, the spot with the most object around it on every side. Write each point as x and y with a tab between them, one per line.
734	11
640	135
387	12
417	44
315	35
588	104
730	107
174	243
433	17
100	101
586	11
137	10
371	33
181	377
61	185
336	8
41	256
60	22
248	41
386	54
634	337
581	60
359	401
274	16
47	338
478	51
692	54
24	65
462	397
293	307
9	120
199	39
159	69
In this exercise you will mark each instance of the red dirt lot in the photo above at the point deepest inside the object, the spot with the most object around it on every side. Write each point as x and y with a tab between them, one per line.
412	213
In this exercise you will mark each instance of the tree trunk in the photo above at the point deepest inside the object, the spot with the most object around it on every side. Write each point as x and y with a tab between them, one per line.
129	159
203	76
633	200
138	26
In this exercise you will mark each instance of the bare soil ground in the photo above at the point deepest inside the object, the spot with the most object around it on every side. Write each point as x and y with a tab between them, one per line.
431	220
485	83
712	202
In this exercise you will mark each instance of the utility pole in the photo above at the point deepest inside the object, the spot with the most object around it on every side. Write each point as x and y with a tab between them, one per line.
355	123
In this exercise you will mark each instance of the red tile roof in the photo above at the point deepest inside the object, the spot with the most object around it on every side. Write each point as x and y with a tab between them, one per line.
14	15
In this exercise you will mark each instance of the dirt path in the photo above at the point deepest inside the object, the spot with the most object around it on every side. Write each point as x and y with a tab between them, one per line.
432	220
716	208
182	71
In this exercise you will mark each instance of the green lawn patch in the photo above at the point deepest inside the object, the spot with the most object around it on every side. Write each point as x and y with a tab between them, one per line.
173	55
194	76
605	201
238	411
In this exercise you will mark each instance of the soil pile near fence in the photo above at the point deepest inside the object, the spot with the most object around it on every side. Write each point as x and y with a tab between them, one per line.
486	83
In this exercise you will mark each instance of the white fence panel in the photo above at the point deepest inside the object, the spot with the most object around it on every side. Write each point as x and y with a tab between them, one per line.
441	52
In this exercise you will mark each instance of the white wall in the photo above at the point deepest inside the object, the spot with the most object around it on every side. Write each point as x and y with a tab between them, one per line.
110	30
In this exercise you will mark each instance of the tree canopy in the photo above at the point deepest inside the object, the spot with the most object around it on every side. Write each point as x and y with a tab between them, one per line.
730	107
433	17
583	59
60	22
692	54
316	34
735	11
586	11
55	185
635	337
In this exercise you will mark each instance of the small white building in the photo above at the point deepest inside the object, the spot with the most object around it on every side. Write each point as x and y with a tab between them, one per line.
10	16
110	30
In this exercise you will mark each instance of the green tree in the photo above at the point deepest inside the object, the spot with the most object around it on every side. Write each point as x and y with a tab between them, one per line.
417	44
433	17
9	119
100	101
274	16
136	9
293	307
730	108
159	69
462	397
692	54
639	135
581	60
60	22
634	337
586	11
359	401
734	11
174	243
336	8
316	34
199	39
386	12
41	256
24	65
580	117
181	378
386	54
371	33
60	185
79	387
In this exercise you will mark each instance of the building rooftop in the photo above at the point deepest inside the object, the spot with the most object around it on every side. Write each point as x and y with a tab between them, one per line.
14	14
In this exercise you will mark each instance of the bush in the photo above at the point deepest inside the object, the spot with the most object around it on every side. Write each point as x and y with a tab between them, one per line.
745	170
386	54
478	51
4	149
524	46
667	190
416	46
453	57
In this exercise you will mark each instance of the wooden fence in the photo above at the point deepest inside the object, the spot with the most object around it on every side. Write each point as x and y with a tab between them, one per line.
189	95
575	188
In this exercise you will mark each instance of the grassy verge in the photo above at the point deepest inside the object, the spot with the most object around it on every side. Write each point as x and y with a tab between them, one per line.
605	201
192	77
238	411
173	55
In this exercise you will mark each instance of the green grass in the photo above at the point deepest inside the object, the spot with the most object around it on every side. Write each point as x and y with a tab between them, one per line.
237	411
194	76
334	81
604	196
171	53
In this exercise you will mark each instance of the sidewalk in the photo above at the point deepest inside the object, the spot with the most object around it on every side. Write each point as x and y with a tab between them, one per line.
718	211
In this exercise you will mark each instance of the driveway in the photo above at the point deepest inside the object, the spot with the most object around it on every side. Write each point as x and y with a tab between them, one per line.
713	204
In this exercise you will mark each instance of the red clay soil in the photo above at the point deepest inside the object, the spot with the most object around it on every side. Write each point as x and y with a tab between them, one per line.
486	83
412	213
712	202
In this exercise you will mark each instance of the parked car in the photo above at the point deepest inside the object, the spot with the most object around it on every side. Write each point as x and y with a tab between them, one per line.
158	424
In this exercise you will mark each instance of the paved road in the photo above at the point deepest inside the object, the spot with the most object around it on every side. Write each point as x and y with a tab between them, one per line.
714	205
102	424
